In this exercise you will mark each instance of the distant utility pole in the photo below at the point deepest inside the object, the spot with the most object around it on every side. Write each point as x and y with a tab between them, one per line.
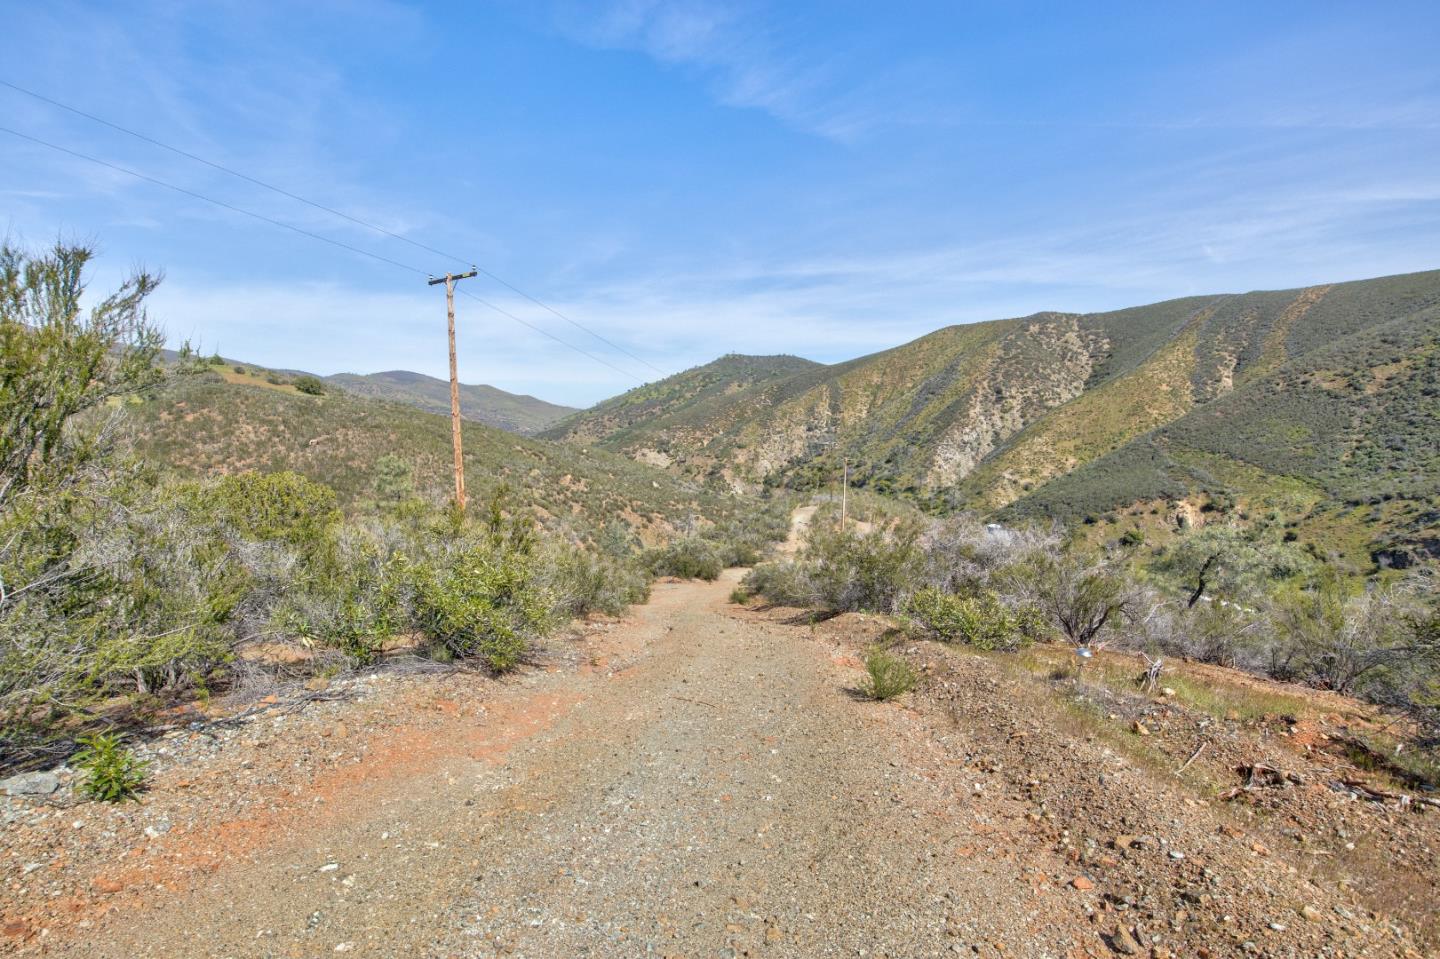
844	492
450	279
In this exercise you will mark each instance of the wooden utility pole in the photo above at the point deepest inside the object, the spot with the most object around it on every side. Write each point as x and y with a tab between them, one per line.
450	279
844	492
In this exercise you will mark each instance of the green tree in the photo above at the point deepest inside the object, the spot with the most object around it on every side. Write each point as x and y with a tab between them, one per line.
58	362
1232	560
394	480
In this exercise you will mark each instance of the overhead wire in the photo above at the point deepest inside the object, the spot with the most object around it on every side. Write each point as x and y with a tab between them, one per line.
330	210
306	233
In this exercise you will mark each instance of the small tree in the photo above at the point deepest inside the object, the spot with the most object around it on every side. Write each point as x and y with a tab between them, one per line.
57	363
1082	597
310	385
394	479
1238	562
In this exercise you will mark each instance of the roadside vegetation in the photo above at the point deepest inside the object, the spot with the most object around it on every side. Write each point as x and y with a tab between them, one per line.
125	587
1242	598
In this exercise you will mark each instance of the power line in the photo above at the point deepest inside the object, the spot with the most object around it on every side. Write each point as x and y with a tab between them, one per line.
220	203
306	233
333	212
544	332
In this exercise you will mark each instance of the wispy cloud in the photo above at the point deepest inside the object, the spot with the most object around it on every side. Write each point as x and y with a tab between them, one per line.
731	50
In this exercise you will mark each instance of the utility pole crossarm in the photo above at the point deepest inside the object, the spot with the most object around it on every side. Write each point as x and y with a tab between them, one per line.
437	280
449	279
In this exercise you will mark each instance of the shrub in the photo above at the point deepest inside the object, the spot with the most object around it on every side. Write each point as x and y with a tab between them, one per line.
111	773
887	675
863	571
739	596
688	558
982	620
481	602
273	506
1079	595
310	385
782	583
582	582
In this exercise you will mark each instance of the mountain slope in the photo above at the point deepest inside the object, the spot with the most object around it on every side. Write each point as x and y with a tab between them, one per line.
696	395
1343	437
209	423
512	412
1107	408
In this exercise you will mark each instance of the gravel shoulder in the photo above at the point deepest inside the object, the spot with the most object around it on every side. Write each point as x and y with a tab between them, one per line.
698	780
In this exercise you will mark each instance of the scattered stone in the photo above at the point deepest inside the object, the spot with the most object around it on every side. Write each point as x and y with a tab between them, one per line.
1139	728
1124	943
1312	914
31	784
1082	883
107	887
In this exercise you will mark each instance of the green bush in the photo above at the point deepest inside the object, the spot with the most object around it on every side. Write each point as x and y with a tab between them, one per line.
782	583
281	506
871	571
982	620
687	558
582	582
887	675
739	596
481	602
310	385
110	772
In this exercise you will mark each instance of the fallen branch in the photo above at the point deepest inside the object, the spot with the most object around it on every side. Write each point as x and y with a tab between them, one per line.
698	702
1361	786
1193	756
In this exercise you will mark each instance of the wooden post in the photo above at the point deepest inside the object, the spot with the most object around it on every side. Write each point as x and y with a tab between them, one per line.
844	493
449	280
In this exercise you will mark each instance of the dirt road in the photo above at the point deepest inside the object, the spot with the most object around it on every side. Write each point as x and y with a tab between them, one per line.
723	792
701	780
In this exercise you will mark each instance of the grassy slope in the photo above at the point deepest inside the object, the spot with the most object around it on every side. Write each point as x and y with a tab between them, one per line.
205	424
632	416
484	404
1341	436
1069	414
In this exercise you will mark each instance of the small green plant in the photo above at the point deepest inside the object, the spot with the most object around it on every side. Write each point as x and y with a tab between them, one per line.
887	676
739	596
112	773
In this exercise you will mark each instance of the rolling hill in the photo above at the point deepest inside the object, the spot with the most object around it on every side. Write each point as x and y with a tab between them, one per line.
219	421
1300	400
512	412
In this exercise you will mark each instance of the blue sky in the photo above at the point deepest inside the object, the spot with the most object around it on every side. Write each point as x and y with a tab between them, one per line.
695	178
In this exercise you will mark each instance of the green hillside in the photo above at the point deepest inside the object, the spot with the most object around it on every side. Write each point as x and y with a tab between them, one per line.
211	423
695	395
1342	438
1321	389
511	412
